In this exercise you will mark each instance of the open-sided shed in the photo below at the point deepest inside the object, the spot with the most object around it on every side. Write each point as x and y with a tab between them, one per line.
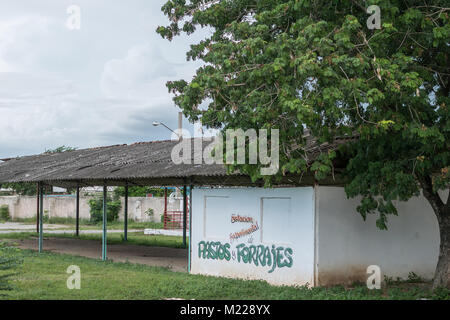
138	164
295	233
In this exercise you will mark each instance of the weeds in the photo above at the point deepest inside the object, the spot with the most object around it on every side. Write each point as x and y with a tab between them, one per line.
10	259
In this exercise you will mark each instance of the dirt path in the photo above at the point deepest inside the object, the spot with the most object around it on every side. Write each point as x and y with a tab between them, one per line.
172	258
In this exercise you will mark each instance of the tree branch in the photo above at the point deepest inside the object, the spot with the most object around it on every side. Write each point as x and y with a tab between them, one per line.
435	200
359	5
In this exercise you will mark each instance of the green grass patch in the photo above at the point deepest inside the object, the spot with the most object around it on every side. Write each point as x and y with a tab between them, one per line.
86	224
43	276
113	238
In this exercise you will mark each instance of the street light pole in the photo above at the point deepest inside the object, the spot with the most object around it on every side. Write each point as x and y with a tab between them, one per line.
180	123
157	123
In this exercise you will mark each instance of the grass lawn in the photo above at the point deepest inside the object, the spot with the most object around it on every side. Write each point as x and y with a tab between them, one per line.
86	224
43	276
113	238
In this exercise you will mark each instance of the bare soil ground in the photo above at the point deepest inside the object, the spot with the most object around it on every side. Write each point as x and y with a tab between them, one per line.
172	258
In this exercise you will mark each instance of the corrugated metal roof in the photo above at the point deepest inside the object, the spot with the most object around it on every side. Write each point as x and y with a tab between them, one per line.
144	163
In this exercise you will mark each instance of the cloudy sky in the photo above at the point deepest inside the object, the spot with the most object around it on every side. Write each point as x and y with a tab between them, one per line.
98	85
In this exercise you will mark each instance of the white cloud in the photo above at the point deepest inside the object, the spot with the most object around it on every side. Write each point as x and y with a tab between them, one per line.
140	75
21	40
103	84
22	86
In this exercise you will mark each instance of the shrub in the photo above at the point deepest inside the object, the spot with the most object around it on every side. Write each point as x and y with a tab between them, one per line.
4	213
150	212
414	278
112	209
162	218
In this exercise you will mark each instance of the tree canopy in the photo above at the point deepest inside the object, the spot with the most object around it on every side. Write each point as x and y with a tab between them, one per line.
296	65
315	65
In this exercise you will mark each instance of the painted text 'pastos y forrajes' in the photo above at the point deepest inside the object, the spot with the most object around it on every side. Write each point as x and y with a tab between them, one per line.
259	255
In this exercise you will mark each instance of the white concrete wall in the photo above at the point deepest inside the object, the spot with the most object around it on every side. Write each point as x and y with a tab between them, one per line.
284	220
21	207
138	206
347	245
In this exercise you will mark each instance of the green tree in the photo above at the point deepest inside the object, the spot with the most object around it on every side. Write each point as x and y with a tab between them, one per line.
297	64
22	188
60	149
113	206
137	191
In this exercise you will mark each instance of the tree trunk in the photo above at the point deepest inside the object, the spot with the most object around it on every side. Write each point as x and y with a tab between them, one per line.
442	211
442	274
